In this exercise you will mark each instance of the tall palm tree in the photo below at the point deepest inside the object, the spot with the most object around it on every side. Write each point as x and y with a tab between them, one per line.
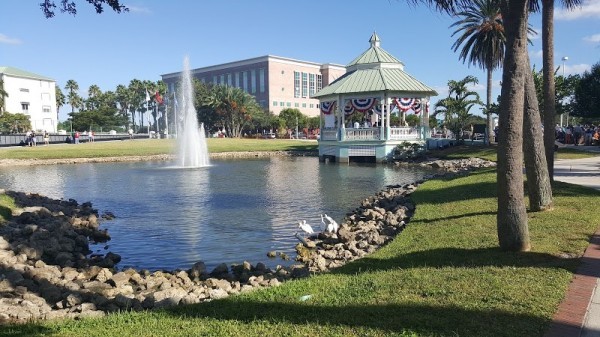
511	220
549	84
482	39
94	94
122	97
60	100
73	96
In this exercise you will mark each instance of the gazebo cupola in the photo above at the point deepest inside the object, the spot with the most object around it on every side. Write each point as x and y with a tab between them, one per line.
375	84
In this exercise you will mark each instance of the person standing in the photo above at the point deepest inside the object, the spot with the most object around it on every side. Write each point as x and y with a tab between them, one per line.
91	136
76	137
46	138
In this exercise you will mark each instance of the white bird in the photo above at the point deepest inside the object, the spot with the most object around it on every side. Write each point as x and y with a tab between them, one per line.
332	226
323	224
306	228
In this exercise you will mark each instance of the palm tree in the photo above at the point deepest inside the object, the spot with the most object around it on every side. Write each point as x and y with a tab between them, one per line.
123	99
513	231
483	40
73	96
60	100
3	95
549	84
457	105
94	94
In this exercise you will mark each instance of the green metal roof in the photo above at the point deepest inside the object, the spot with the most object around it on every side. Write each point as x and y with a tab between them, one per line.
22	73
375	54
376	80
376	70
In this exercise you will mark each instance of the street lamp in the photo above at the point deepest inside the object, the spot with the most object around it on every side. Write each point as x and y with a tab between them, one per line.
565	58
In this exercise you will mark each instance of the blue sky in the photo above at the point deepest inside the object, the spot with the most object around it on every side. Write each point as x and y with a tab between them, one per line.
153	38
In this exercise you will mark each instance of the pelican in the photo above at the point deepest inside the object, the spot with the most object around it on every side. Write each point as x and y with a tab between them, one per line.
306	228
332	226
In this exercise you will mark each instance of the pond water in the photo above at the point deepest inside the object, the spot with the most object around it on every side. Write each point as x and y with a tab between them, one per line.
235	210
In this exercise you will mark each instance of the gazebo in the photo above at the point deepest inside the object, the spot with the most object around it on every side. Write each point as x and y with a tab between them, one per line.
376	85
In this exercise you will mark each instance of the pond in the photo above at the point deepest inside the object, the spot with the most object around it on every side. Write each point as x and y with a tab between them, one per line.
169	218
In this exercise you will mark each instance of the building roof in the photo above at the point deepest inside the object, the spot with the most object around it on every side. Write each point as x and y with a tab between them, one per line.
376	70
11	71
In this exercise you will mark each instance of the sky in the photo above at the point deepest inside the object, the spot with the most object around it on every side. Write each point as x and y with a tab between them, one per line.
153	38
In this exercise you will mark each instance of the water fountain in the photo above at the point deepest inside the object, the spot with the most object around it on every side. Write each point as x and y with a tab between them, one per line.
191	140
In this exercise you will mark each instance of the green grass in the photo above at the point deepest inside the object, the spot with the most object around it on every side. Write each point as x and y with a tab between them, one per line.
443	276
490	153
7	204
146	147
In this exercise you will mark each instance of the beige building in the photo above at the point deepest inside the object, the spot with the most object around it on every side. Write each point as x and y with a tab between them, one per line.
277	82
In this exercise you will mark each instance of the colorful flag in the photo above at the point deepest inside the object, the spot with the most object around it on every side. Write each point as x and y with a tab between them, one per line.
158	98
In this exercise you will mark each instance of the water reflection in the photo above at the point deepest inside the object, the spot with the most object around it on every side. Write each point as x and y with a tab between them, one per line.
232	211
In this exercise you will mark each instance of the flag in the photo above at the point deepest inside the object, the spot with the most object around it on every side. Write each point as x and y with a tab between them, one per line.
158	97
147	96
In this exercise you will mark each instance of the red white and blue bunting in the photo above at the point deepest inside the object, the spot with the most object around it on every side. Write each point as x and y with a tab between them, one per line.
348	109
327	107
405	104
362	104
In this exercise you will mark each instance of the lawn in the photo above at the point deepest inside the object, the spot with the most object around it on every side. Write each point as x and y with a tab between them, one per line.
442	276
146	147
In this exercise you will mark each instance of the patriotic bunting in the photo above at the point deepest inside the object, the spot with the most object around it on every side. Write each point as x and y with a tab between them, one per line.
327	107
348	109
417	106
362	104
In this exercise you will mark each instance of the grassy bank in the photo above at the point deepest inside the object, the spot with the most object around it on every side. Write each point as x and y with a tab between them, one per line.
443	276
145	147
490	153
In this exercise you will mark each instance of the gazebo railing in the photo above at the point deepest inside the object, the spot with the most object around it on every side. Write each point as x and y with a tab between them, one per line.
404	133
363	134
329	134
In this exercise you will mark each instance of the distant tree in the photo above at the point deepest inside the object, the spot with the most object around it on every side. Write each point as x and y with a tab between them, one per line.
233	106
60	100
94	93
413	120
123	100
3	95
65	6
104	118
73	97
457	106
587	94
292	118
14	123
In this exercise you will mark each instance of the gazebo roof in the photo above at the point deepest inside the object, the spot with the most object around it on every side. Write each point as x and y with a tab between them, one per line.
376	70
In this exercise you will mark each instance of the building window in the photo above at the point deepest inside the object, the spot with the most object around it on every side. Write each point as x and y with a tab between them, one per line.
253	81
304	84
281	104
229	83
319	82
24	90
262	103
214	80
245	81
25	108
296	84
261	79
237	80
288	104
274	103
46	109
311	85
222	80
296	105
304	105
311	105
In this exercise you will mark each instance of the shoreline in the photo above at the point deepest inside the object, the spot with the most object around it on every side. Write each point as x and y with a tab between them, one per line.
158	157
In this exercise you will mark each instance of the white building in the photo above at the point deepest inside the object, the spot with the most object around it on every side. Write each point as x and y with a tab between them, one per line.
32	95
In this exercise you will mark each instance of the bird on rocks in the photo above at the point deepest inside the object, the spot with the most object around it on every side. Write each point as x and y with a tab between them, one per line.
306	228
332	226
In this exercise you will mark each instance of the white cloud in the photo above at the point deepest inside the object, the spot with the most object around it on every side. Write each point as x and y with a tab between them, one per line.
589	9
141	10
576	69
593	38
8	40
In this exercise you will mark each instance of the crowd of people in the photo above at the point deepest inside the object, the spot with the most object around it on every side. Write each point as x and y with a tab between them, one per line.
587	134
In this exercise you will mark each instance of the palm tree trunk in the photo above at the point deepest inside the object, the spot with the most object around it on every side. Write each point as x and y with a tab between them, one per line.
549	85
490	124
511	220
538	180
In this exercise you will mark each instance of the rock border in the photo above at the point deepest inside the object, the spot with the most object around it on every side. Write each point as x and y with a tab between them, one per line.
47	272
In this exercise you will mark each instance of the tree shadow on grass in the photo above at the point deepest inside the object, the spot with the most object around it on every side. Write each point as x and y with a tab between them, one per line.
460	258
424	319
